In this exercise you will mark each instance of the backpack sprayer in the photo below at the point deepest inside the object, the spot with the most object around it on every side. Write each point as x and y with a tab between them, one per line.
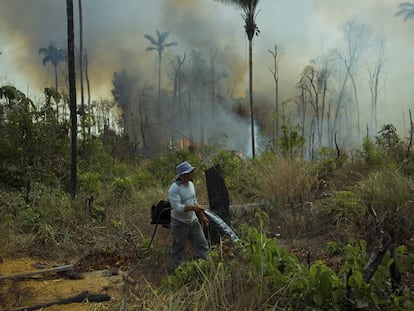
161	214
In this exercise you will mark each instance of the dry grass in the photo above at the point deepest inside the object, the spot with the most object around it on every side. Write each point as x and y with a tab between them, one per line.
286	180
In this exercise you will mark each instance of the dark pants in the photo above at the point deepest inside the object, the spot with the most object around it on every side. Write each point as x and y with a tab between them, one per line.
182	232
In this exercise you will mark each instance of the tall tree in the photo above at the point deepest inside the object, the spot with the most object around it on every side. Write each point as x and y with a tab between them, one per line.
374	74
357	39
54	55
275	74
82	105
177	76
159	45
72	97
249	8
406	9
314	86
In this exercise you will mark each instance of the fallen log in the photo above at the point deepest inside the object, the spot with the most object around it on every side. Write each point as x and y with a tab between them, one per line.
33	273
82	297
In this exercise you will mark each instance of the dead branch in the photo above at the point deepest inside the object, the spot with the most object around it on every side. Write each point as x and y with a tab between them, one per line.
33	273
338	151
82	297
411	135
384	239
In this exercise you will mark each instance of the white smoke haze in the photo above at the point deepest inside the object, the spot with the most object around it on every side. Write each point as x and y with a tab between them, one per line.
303	29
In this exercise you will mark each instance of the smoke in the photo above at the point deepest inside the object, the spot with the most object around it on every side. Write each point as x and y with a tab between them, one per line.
114	39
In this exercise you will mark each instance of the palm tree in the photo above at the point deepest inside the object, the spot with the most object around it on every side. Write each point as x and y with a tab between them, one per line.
54	55
406	9
249	8
159	45
72	97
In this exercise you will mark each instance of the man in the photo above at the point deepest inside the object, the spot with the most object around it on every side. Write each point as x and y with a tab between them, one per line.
185	215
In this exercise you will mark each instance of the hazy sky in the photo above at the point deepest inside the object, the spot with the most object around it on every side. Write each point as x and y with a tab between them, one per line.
114	38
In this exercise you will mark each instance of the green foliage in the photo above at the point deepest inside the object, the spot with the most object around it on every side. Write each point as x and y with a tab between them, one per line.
266	257
318	288
373	157
388	190
97	159
30	218
90	182
342	209
326	162
122	188
143	179
228	161
334	248
115	145
50	206
291	142
162	167
239	175
387	150
12	203
34	144
348	207
192	272
389	142
275	270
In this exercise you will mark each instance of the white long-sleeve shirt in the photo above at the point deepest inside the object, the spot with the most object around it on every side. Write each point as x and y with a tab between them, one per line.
181	195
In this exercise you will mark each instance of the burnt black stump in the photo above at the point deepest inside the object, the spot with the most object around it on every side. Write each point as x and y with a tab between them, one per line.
219	202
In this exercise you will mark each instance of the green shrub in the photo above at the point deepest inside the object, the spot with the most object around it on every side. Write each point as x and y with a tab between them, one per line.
90	182
372	155
143	179
387	190
122	188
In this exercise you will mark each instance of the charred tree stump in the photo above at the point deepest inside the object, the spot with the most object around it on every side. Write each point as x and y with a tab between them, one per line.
384	240
219	202
395	272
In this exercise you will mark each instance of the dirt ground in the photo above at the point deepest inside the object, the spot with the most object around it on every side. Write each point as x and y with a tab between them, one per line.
40	289
28	283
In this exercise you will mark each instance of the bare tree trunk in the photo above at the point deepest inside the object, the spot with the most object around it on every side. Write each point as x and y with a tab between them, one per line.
72	97
213	83
159	138
374	76
88	86
251	95
81	57
82	107
275	73
56	77
303	104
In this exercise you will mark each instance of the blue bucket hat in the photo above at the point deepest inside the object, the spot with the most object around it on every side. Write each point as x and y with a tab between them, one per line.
184	168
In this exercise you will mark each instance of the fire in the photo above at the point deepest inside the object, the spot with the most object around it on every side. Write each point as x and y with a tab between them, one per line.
185	143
